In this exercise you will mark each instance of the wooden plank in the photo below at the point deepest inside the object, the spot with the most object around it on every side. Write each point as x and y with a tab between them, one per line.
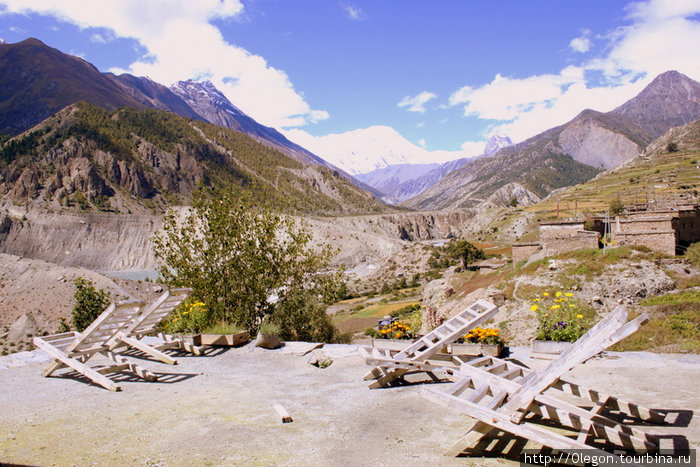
579	352
79	367
137	344
282	412
569	414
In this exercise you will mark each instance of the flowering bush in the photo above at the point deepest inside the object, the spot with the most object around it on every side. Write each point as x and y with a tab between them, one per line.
396	330
481	335
561	317
191	316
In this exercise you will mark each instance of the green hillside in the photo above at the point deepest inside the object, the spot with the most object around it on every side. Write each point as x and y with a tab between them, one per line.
127	158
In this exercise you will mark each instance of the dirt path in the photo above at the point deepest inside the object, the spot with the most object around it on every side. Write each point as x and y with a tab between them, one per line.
218	410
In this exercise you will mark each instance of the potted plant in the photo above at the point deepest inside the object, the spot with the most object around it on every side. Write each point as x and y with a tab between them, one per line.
222	334
268	335
479	341
562	319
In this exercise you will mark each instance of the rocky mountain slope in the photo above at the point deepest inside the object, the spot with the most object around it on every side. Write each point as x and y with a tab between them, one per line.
87	158
36	81
388	180
574	152
415	186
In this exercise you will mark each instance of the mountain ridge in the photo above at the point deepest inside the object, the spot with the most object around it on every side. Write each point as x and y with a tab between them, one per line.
592	141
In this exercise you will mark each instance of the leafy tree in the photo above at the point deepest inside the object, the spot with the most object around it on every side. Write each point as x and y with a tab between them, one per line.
672	147
465	251
616	206
245	262
89	303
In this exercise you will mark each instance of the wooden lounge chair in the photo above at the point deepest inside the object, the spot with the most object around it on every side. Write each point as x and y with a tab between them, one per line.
415	356
74	349
500	396
146	324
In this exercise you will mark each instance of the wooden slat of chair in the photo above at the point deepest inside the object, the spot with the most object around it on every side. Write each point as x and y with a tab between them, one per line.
432	343
611	329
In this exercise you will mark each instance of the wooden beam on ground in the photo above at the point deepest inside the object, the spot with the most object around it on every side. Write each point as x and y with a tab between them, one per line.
282	412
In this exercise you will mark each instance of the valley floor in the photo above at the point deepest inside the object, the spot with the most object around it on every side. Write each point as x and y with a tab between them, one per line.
218	410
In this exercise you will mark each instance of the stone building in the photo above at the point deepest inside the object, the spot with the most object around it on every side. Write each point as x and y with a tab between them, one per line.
668	231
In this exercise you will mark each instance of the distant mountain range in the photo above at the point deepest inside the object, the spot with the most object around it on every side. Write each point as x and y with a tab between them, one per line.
397	183
85	158
571	153
37	81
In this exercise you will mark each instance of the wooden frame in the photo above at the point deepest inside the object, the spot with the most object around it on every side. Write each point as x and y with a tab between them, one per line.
146	324
74	349
391	367
500	395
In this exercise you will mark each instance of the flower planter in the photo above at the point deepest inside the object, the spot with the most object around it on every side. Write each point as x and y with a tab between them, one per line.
548	349
493	350
268	341
229	340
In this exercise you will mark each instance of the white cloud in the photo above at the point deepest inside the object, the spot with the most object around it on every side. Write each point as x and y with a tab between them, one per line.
98	38
663	35
473	148
505	98
354	13
2	41
181	43
580	44
16	30
417	103
421	143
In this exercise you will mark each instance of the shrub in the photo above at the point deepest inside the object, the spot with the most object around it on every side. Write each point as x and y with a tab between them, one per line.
191	316
561	317
616	206
692	254
237	255
89	303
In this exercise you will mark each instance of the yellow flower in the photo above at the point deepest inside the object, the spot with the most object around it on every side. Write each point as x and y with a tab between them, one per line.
571	305
546	294
536	299
558	294
534	308
579	316
569	294
555	307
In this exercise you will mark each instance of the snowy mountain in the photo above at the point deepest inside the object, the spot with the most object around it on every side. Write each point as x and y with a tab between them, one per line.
389	179
496	143
213	106
385	179
365	150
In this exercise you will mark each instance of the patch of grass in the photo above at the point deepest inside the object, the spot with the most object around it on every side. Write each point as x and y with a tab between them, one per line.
687	296
223	328
670	325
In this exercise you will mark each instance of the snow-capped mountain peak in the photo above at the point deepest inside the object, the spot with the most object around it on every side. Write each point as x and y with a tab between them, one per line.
496	143
204	92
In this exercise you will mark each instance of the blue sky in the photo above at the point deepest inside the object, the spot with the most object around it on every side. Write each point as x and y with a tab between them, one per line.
444	74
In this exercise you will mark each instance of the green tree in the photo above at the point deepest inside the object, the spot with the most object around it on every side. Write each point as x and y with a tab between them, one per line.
616	206
245	262
672	147
465	252
89	303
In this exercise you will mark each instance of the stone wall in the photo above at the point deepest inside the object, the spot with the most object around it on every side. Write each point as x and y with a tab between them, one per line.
581	239
524	250
661	241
